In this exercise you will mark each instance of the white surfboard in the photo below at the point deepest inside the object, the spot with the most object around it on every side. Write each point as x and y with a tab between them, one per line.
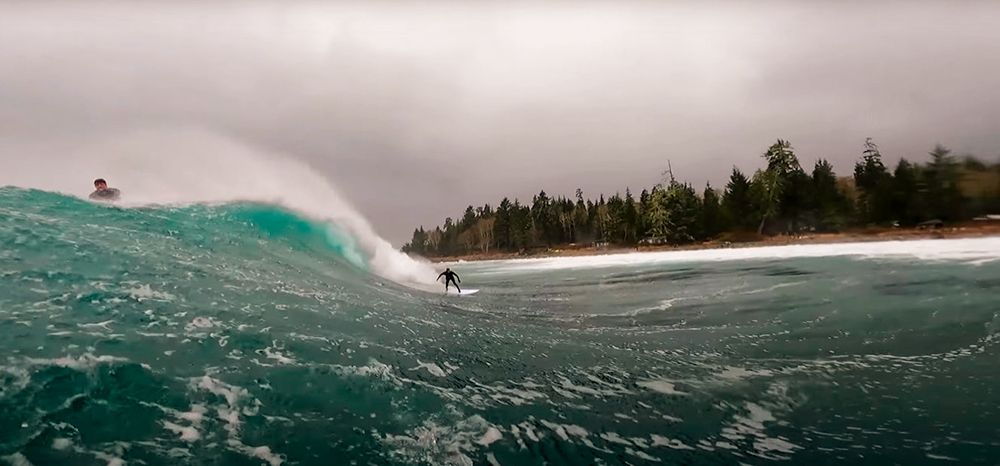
464	291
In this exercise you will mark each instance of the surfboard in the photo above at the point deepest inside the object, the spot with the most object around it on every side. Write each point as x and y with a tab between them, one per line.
464	292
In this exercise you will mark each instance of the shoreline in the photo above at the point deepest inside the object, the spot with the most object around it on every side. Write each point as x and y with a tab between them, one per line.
958	231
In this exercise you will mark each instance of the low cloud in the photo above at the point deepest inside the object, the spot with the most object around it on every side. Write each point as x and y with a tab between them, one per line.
416	110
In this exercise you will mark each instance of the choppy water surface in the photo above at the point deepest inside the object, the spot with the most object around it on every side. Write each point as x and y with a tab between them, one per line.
240	334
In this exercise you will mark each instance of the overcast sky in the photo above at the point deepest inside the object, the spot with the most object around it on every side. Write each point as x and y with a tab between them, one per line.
416	110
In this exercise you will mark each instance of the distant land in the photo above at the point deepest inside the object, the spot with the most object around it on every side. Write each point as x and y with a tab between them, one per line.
945	196
963	230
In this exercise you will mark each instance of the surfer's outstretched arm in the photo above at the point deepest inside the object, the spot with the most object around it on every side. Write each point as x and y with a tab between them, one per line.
458	278
439	276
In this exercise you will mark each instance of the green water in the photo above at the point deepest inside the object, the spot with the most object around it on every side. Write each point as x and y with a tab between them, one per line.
247	334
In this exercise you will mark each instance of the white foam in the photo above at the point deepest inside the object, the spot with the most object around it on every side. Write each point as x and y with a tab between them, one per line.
433	440
639	442
374	368
769	444
659	441
231	393
739	373
558	429
85	361
265	454
103	325
178	452
614	390
661	386
262	452
758	415
491	435
200	322
966	249
188	434
514	396
277	356
232	418
62	443
145	292
112	460
529	432
576	430
434	369
16	459
642	455
195	415
614	437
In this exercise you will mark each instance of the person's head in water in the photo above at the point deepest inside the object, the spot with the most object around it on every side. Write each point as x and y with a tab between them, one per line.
103	193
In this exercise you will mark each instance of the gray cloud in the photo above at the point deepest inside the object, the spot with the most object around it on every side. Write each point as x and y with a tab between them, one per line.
416	110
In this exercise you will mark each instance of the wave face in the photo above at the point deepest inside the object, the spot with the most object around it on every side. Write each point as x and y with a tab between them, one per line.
189	166
246	333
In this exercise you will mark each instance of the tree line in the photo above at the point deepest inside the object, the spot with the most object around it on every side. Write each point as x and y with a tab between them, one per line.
782	198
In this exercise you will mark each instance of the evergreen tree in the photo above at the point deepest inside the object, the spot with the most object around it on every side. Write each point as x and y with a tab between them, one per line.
520	230
781	159
417	244
614	224
468	219
711	213
502	227
765	191
545	220
657	215
944	197
580	218
908	193
829	204
449	239
631	218
792	182
642	222
874	184
684	209
674	213
737	204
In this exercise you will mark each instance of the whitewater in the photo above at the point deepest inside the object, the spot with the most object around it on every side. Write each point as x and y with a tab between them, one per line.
239	319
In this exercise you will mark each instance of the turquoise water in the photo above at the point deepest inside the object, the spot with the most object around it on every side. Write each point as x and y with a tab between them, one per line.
247	334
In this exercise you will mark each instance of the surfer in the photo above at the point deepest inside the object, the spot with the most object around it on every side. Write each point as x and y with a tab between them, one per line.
450	276
103	193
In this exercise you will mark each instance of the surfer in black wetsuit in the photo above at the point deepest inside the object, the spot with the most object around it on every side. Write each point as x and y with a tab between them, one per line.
450	276
103	193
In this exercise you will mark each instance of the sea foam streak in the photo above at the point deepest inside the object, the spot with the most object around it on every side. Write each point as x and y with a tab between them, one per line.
978	250
187	166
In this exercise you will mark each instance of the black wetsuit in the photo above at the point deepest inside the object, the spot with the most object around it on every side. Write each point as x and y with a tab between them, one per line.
106	194
450	276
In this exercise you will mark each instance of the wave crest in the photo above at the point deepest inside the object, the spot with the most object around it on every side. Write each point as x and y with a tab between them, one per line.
193	166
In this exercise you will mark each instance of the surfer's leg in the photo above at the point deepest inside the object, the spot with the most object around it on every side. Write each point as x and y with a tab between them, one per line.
453	282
